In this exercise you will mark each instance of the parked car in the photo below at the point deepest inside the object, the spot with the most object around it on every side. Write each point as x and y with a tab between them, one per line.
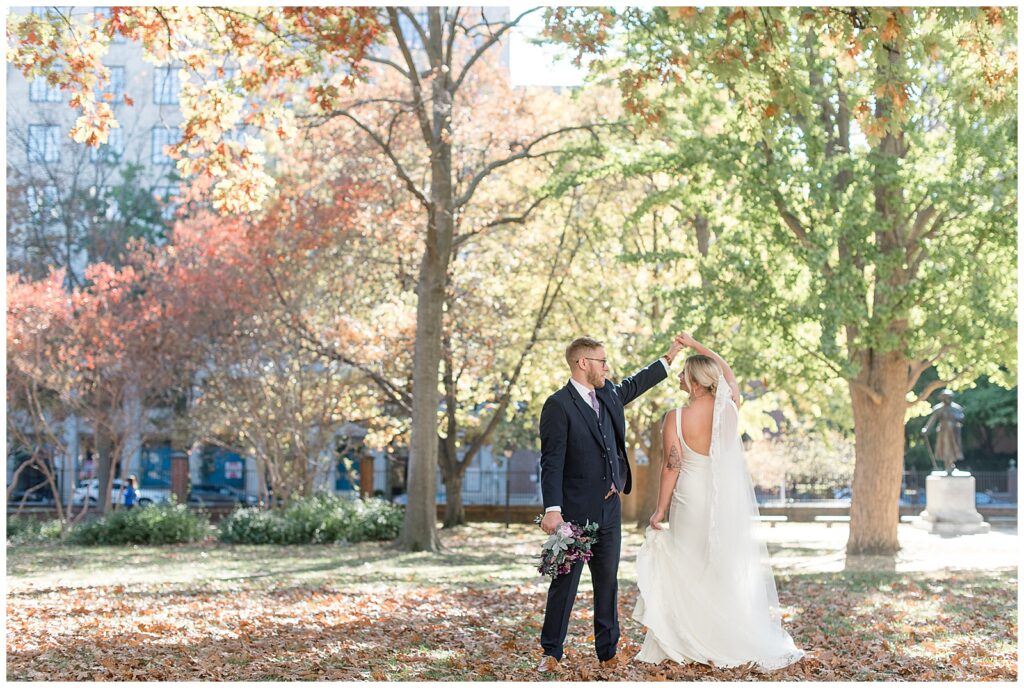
219	495
983	499
89	489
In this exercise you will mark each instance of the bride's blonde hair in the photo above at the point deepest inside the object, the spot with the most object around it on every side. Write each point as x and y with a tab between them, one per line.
702	371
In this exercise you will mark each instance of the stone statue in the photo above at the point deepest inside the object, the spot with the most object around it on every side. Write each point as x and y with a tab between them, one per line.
949	446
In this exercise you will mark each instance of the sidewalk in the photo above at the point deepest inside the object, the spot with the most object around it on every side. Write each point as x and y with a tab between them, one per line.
806	547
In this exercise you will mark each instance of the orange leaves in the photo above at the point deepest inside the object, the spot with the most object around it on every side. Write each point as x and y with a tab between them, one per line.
994	15
735	16
70	52
891	31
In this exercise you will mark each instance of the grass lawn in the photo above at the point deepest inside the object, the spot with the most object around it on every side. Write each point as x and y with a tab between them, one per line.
366	612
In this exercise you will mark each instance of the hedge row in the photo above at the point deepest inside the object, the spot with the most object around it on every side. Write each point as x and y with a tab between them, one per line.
313	520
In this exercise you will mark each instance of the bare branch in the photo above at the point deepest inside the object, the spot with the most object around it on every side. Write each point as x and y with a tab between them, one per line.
389	63
414	79
494	38
415	25
506	220
556	280
453	23
388	151
524	153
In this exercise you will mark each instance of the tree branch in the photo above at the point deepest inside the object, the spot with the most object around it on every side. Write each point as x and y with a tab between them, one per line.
389	63
521	155
923	365
485	47
552	290
932	386
507	220
386	148
414	79
295	322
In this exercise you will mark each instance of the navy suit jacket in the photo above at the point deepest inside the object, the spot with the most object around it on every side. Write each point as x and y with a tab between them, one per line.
574	470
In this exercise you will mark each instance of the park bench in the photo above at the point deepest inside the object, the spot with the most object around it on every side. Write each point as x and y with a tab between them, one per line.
1001	519
829	520
772	519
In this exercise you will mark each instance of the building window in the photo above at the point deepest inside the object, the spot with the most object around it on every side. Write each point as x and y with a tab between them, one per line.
116	86
111	151
166	85
42	201
39	91
163	195
43	143
163	136
103	13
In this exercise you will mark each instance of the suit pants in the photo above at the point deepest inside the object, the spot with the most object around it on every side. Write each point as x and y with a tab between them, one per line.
604	570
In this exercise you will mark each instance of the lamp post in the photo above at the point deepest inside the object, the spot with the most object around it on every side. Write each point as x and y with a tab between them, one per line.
508	479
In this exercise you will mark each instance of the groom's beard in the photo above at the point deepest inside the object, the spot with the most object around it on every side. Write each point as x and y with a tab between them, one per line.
596	380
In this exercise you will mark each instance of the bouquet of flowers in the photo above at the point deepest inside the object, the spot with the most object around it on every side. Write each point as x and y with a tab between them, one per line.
569	544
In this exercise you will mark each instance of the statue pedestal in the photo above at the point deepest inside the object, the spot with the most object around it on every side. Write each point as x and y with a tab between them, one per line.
949	505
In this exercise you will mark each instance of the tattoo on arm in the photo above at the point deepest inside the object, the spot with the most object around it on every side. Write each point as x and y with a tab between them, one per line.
675	459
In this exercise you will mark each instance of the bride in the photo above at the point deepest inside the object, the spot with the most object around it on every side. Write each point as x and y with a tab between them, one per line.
707	593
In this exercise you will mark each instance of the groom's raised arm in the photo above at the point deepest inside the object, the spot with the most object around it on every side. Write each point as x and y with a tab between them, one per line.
554	431
642	380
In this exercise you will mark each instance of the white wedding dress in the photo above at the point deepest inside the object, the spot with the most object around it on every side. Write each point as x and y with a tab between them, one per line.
707	593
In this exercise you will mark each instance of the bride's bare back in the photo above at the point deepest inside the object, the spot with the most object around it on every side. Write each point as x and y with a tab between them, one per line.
696	422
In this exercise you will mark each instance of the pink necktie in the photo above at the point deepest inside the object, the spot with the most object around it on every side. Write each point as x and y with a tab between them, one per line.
593	402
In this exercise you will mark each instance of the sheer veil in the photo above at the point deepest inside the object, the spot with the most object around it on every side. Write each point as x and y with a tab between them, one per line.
734	552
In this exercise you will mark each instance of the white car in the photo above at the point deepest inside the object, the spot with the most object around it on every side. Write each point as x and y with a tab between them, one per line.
89	489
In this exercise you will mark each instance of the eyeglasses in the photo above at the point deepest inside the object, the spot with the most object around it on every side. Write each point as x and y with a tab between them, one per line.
602	361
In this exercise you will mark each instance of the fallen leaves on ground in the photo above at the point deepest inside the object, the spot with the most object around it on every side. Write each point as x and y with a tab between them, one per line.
854	625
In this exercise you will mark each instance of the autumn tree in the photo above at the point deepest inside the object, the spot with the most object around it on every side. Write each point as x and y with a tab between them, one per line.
285	54
874	159
104	351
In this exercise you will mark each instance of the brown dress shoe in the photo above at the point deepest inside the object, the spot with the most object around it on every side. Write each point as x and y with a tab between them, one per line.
547	664
615	662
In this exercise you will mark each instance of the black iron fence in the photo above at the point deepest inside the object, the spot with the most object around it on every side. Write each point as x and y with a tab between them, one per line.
488	487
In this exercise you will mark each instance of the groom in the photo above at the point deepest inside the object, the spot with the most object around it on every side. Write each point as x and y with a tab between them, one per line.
583	471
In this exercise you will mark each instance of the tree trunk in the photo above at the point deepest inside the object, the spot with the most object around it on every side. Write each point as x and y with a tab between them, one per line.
419	531
878	471
648	501
455	511
104	467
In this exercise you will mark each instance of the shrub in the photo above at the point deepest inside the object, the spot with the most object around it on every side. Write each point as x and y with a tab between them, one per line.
25	530
161	524
251	527
320	519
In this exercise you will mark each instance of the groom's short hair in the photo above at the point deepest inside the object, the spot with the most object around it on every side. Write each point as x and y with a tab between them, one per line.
579	346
